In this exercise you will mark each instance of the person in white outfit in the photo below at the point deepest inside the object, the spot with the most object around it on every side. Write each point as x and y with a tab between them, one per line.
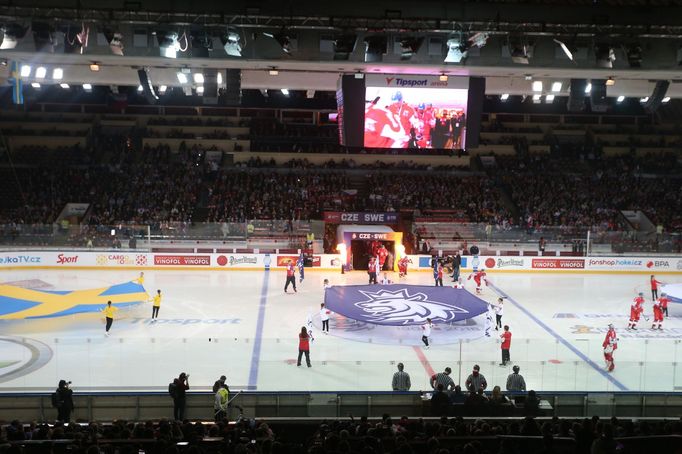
324	316
426	332
499	311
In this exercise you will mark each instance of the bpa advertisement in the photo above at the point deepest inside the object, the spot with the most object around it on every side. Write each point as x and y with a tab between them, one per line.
415	112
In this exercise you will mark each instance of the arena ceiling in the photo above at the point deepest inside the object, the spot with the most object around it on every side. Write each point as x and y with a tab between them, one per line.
642	39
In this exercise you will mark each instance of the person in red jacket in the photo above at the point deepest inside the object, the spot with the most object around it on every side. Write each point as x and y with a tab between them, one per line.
506	337
663	301
291	276
303	347
382	252
654	287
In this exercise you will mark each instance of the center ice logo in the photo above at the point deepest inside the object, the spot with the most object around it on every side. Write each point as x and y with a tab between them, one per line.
399	307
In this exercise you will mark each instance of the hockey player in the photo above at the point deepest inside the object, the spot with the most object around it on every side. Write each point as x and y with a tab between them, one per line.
479	277
658	315
664	300
382	128
291	276
382	253
459	284
610	345
402	266
636	310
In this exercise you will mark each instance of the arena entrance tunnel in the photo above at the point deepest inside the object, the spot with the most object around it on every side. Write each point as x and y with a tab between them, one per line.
356	243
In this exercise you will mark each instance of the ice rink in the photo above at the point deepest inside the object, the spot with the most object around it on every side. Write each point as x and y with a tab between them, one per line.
241	324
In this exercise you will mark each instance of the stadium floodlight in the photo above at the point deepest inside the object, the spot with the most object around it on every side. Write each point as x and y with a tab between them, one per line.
198	78
57	74
644	99
565	48
76	38
273	72
457	49
11	34
556	87
537	85
169	43
409	46
604	55
35	85
64	85
519	50
549	99
610	82
536	99
620	99
231	43
285	91
162	89
588	88
41	72
25	70
182	76
375	48
479	39
140	88
666	99
200	90
94	66
219	78
504	96
115	40
87	87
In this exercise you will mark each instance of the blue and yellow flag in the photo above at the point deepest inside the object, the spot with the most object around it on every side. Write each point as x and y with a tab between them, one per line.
16	82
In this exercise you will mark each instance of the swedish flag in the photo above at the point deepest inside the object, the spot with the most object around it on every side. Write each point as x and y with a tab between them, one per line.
16	82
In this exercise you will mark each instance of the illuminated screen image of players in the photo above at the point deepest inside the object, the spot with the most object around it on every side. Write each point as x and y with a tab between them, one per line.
413	118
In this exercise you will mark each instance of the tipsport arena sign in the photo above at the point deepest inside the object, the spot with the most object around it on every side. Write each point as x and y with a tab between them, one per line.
406	81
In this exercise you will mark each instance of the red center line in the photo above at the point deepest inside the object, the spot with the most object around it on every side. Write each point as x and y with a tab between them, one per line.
425	362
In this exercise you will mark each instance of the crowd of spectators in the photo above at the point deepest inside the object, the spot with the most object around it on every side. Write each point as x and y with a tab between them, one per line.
387	435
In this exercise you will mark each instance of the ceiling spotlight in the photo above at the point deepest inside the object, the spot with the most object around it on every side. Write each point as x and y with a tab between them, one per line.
565	48
115	40
310	94
504	96
479	39
35	85
375	48
200	90
169	43
41	72
163	88
344	46
644	99
519	49
94	66
634	54
549	99
610	82
64	85
537	85
409	46
231	44
57	74
556	87
182	77
25	70
604	55
273	72
457	49
283	39
536	99
219	78
666	99
198	78
202	43
11	34
87	87
75	38
443	78
140	88
620	99
285	91
588	88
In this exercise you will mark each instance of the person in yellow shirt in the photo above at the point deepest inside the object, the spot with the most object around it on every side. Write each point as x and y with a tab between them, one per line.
140	280
156	304
109	312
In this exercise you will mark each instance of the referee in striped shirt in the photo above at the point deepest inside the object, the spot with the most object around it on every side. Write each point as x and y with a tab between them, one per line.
515	381
401	379
443	378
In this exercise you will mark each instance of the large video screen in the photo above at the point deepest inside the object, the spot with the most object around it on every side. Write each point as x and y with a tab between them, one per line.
413	112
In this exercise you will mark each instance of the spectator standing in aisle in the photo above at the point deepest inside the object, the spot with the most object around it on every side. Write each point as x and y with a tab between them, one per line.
506	337
443	378
179	394
476	381
64	401
515	381
401	379
303	347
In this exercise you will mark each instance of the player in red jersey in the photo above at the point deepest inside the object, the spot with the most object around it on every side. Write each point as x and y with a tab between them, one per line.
636	310
382	253
382	128
658	316
479	277
610	345
663	301
402	266
654	287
